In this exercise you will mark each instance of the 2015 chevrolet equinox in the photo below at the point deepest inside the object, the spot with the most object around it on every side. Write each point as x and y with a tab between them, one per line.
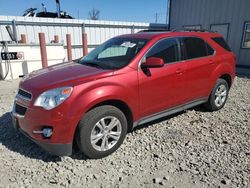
127	81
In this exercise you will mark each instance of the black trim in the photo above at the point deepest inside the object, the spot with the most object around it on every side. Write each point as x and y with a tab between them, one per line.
183	49
179	49
192	26
243	35
228	29
20	110
153	30
56	149
170	111
192	30
25	94
53	149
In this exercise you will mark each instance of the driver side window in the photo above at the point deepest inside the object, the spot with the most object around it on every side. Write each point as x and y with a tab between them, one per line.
166	49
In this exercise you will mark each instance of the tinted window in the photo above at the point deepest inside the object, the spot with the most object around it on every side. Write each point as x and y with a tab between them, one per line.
166	49
195	47
222	43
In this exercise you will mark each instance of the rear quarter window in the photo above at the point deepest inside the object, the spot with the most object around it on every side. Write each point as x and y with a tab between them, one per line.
221	41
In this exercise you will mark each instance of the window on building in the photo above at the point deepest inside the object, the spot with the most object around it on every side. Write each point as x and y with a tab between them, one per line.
167	49
195	47
192	27
246	36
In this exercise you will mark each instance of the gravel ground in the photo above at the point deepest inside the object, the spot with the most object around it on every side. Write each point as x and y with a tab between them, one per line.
194	148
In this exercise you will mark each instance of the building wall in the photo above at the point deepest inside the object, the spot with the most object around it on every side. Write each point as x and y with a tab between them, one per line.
97	31
207	12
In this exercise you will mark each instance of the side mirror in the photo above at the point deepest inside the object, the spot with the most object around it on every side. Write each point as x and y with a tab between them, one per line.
153	62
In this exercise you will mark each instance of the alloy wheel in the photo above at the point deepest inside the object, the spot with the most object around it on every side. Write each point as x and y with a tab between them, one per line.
106	133
220	95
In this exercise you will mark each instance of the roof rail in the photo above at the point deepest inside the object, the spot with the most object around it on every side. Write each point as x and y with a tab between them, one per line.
193	30
153	30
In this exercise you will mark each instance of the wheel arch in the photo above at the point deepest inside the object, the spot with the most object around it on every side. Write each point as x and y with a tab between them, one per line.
121	105
227	78
223	71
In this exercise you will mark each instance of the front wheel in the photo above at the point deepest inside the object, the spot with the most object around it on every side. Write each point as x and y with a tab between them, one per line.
101	131
219	95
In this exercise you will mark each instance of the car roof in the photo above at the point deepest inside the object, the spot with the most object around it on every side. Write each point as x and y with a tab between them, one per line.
151	35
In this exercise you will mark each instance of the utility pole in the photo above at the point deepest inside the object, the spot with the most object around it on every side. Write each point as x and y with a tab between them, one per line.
168	12
156	17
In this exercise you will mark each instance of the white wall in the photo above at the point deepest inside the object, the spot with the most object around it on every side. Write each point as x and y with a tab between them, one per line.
97	31
31	59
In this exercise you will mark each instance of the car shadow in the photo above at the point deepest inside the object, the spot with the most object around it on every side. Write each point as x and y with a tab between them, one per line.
199	108
17	142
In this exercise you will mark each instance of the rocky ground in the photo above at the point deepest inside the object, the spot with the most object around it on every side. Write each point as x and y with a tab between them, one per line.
194	148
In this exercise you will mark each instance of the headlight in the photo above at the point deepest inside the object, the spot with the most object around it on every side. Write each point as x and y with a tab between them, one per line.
53	98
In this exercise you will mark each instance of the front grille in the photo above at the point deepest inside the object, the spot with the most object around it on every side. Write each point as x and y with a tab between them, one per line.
25	94
20	110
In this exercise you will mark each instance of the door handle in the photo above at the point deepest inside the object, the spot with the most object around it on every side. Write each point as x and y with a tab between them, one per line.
178	71
211	62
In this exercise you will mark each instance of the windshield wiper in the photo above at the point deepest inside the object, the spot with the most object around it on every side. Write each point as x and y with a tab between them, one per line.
96	65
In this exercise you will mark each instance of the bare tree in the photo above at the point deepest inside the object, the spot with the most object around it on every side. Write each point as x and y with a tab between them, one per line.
94	14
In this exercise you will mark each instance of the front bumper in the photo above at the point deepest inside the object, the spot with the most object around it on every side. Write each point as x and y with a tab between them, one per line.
58	149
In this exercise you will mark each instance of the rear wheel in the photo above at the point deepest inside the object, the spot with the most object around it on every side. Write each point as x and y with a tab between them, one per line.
101	131
219	95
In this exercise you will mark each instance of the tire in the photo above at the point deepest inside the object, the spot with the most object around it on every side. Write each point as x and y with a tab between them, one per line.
95	137
218	96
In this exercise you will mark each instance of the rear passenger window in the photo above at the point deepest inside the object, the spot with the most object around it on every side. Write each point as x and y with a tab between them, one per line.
195	47
222	43
167	49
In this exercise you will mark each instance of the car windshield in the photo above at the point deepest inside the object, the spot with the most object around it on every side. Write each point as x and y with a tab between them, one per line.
116	53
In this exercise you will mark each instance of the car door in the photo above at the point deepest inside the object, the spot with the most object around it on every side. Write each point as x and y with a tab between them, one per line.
162	88
199	59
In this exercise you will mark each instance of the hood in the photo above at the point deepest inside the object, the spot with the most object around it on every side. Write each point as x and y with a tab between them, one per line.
65	74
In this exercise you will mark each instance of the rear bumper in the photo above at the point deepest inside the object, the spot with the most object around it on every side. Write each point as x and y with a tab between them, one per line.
58	149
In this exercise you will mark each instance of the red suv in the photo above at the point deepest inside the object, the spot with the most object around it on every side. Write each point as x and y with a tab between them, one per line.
127	81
